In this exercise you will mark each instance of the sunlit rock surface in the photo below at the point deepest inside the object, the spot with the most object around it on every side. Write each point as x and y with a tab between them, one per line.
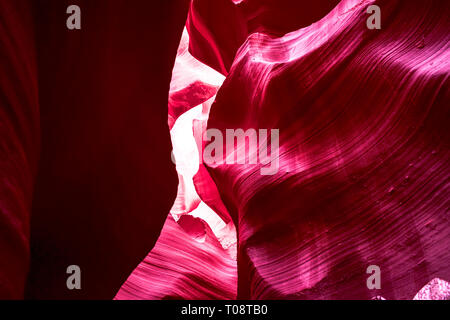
436	289
363	165
195	256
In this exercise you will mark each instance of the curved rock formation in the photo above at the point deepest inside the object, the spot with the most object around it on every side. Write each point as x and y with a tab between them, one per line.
104	181
363	157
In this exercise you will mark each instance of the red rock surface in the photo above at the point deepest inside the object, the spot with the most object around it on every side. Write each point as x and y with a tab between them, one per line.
85	170
364	158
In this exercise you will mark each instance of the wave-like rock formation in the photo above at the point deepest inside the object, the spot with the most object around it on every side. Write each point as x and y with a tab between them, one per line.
362	168
436	289
363	158
215	40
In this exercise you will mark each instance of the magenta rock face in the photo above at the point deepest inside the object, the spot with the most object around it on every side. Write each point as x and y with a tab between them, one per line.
363	157
184	265
215	40
195	256
85	171
337	189
19	143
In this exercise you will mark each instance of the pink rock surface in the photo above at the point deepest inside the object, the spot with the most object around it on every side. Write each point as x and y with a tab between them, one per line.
218	28
436	289
184	265
364	158
195	256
